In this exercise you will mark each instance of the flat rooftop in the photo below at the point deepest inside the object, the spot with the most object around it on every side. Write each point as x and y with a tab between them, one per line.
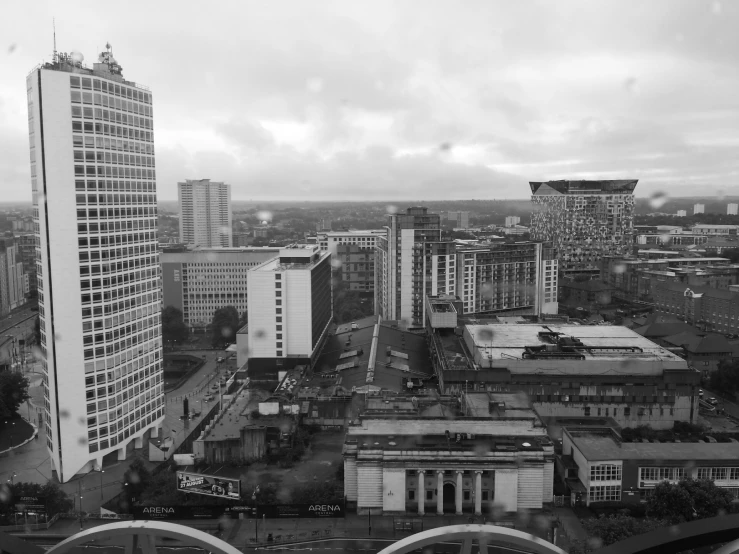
233	420
347	357
498	405
478	443
598	445
607	342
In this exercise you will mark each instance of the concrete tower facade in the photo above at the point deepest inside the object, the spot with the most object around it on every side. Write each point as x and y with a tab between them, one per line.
205	213
99	290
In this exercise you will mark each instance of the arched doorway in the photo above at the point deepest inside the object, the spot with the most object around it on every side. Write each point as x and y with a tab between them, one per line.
449	497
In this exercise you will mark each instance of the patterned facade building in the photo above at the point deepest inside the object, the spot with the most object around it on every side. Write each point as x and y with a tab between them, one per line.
584	220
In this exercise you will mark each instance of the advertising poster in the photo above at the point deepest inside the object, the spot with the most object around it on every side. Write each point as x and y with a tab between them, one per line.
208	485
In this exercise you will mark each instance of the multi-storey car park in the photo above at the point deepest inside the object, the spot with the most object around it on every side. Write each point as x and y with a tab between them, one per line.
94	205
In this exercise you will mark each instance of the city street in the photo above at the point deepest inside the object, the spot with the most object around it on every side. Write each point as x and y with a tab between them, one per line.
19	323
731	408
31	463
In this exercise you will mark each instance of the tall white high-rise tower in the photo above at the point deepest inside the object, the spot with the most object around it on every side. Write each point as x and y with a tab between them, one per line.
99	289
205	213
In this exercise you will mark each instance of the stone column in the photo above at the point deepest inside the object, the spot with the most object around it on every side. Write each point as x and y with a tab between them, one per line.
138	442
122	453
155	432
440	492
478	493
458	491
421	493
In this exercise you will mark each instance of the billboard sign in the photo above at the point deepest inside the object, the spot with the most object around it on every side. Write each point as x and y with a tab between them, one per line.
31	504
208	485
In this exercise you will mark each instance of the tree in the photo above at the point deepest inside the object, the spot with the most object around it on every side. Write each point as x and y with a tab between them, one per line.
318	493
726	377
688	500
618	527
136	480
224	325
174	329
13	392
244	319
56	500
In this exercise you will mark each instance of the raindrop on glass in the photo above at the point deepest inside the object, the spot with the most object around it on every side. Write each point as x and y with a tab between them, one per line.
314	84
657	200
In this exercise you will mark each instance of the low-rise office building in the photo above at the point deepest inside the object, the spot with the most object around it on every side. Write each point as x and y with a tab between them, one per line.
570	371
449	456
198	281
715	230
600	467
707	308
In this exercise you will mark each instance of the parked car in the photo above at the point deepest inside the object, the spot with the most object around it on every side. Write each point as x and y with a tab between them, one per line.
700	393
208	397
219	359
712	401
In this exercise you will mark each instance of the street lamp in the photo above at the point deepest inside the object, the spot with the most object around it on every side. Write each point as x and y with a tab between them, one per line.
12	477
12	423
101	481
256	514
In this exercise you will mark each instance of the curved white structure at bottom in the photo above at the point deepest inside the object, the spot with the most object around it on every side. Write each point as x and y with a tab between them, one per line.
484	535
142	534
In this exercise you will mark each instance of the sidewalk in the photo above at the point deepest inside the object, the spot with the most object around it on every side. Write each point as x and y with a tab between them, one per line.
571	524
240	532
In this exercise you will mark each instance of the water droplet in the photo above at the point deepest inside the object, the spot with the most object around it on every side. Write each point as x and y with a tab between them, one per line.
12	48
81	420
57	336
716	8
336	263
595	543
487	289
64	414
445	147
224	230
392	209
314	85
82	441
260	333
657	199
619	268
264	216
226	332
632	85
485	334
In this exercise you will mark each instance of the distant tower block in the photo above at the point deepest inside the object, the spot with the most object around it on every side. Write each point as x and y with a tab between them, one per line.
732	209
699	209
682	213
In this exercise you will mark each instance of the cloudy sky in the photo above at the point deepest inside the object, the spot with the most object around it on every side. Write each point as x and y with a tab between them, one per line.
404	100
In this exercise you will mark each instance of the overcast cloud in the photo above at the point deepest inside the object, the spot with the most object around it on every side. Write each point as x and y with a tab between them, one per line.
398	100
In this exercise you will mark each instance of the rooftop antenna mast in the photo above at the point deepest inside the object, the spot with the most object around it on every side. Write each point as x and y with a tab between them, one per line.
53	23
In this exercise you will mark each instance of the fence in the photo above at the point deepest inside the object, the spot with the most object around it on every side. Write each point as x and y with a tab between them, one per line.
30	526
565	501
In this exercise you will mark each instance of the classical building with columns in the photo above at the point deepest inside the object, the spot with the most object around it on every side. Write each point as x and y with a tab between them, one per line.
470	454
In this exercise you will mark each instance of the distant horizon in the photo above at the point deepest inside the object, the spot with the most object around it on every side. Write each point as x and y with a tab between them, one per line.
728	199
